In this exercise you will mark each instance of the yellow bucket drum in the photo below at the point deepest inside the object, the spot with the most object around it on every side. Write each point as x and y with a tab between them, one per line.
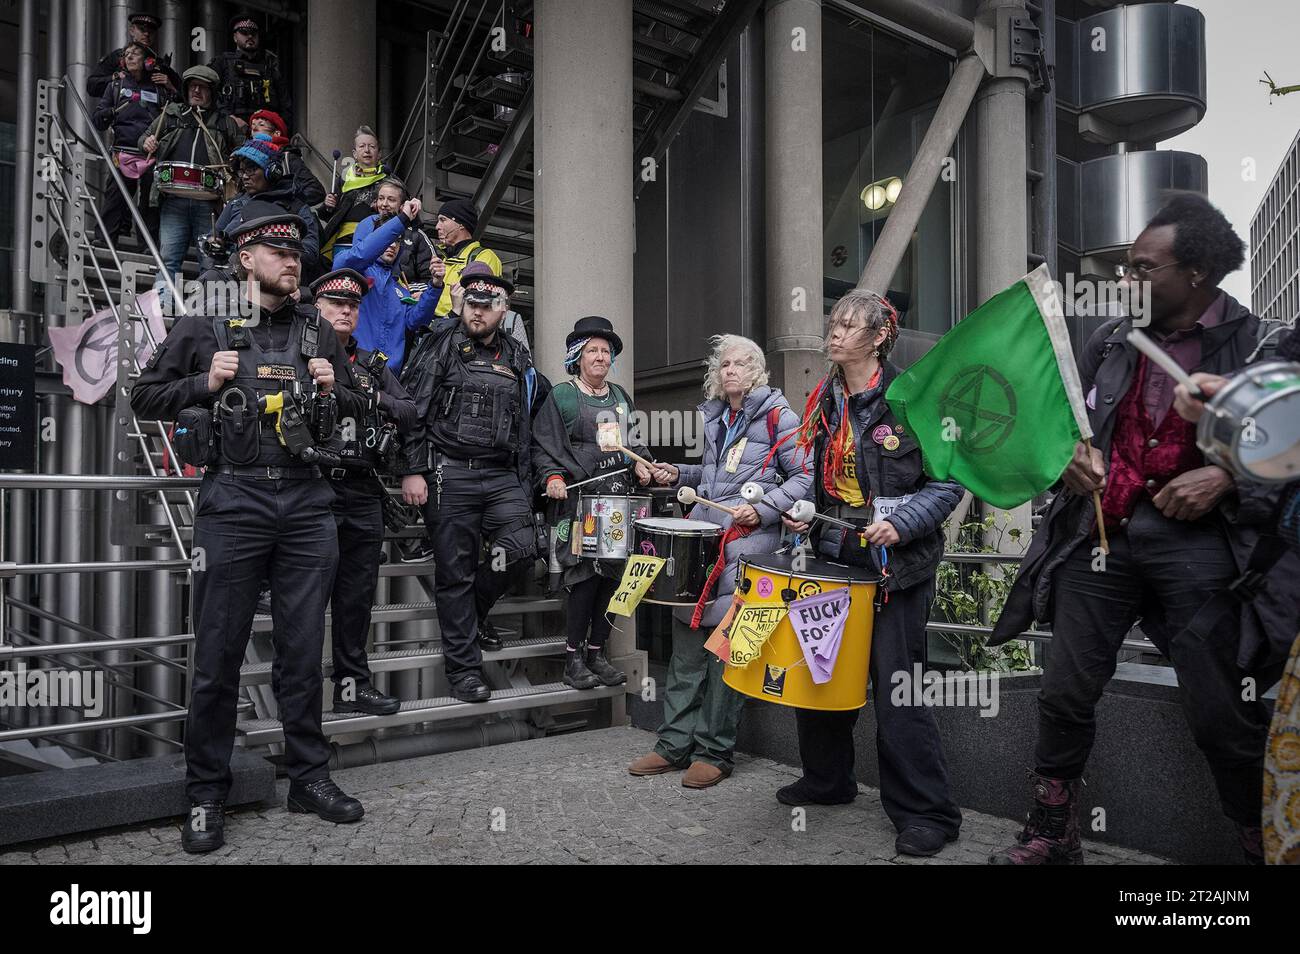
780	674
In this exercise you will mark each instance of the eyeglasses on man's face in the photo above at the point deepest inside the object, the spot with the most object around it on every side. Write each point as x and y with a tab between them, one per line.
1139	270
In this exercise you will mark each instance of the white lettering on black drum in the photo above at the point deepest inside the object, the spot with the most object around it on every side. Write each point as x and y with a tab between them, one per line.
689	548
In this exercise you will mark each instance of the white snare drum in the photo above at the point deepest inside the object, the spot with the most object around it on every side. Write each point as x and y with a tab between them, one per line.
1252	426
189	181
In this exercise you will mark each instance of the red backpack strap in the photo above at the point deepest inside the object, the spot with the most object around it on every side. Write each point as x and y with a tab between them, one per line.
773	419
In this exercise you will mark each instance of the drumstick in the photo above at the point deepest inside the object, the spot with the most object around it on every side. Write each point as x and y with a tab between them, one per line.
1170	366
334	175
608	442
622	470
688	496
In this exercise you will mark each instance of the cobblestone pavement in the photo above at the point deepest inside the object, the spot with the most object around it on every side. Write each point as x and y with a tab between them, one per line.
559	800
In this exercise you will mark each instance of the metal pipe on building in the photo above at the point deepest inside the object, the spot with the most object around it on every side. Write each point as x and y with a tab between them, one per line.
24	161
18	505
174	36
119	12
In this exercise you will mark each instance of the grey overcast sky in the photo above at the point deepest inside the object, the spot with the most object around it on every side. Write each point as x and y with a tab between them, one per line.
1243	39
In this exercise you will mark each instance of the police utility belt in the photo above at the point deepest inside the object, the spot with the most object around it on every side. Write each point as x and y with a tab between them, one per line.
373	446
228	437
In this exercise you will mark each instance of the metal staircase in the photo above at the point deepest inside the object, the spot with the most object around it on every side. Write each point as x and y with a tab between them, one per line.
478	110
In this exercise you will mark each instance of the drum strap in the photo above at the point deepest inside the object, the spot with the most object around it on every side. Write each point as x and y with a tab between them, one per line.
733	532
1268	550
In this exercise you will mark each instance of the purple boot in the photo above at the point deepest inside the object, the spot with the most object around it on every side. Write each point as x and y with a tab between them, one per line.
1051	832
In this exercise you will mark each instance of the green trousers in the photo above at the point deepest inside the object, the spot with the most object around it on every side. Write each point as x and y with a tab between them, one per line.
701	713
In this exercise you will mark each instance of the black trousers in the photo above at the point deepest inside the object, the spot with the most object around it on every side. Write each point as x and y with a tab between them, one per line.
247	530
586	608
117	212
913	771
474	504
1157	567
359	516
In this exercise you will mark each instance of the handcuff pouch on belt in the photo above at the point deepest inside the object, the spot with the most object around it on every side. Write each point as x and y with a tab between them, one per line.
238	426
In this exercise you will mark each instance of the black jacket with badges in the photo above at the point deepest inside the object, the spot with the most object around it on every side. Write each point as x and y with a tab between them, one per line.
467	399
177	375
386	400
883	472
1107	368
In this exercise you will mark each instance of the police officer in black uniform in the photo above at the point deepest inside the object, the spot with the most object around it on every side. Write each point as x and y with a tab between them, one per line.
251	78
467	464
251	395
366	446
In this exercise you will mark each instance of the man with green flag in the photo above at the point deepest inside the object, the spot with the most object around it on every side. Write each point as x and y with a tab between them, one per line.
1182	532
996	404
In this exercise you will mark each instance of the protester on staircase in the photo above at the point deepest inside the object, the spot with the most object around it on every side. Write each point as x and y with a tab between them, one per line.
142	28
352	197
198	136
129	105
305	185
263	176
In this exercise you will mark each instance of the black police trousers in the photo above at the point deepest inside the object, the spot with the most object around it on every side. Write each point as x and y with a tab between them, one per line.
913	771
477	504
359	516
249	529
1166	568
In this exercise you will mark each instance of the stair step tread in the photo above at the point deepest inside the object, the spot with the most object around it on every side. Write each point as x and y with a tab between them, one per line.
438	709
397	660
408	612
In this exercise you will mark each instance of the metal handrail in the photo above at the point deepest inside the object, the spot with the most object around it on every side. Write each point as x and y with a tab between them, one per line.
93	482
141	228
9	570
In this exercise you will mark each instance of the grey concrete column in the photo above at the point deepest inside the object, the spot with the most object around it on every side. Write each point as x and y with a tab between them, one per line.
340	74
793	50
1001	234
582	153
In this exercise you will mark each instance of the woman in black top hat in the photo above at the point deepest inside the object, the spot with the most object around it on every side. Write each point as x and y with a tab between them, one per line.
565	451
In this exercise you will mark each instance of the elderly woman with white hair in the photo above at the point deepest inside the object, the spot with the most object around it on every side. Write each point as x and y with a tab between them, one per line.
744	420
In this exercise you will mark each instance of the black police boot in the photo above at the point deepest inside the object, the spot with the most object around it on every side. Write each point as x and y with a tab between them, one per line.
602	670
322	797
576	673
205	828
369	700
489	640
471	688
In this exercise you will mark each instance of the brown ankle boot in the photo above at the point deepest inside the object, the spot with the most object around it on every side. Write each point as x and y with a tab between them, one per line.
703	775
652	764
1051	832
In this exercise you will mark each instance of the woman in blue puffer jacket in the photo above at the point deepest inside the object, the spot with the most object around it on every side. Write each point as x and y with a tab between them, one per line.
743	419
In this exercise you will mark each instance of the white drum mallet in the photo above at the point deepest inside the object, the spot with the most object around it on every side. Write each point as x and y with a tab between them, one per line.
687	497
803	511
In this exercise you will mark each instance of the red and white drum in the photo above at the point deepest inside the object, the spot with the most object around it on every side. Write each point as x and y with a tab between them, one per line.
189	181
